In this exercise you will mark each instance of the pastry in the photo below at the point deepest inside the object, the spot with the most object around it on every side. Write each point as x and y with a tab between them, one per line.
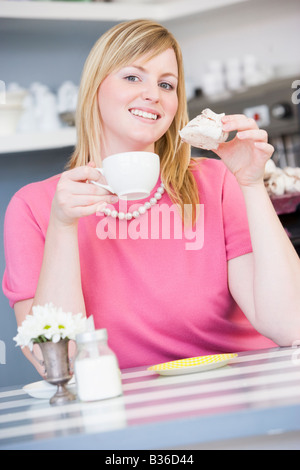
280	181
204	131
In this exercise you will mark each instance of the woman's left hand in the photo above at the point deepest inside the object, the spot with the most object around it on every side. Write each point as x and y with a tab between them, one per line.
247	153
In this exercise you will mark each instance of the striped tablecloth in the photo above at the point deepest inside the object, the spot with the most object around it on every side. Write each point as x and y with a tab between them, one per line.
258	394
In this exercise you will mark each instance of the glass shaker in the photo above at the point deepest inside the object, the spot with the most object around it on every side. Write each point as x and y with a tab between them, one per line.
96	367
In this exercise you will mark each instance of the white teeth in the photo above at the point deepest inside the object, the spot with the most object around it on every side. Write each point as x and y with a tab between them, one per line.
138	112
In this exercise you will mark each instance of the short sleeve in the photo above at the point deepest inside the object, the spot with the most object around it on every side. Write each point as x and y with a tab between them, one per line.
236	227
24	247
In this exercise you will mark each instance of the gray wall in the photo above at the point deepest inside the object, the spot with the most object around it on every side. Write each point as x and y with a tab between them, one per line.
17	170
45	51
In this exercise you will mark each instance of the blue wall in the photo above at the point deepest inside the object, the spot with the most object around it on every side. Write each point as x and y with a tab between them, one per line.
17	170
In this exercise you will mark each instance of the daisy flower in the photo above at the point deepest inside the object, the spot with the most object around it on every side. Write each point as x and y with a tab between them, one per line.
49	323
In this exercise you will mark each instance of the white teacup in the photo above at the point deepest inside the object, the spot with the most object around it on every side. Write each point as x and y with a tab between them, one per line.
130	175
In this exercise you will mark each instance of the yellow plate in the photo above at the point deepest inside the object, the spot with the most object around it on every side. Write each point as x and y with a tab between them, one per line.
193	364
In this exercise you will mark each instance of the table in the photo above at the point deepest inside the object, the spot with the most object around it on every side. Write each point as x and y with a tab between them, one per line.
254	402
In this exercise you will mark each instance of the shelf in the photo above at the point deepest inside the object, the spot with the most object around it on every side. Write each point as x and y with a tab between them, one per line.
38	141
114	11
27	17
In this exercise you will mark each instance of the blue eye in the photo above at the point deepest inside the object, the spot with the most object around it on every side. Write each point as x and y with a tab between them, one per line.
166	86
131	78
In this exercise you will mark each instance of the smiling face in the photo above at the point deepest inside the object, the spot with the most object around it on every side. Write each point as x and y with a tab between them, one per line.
138	103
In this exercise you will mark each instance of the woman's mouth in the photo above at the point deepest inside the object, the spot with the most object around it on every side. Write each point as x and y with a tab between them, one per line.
144	114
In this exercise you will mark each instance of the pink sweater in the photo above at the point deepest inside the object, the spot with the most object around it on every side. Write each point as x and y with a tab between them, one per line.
162	293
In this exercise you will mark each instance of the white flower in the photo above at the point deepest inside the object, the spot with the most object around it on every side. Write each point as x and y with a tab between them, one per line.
49	323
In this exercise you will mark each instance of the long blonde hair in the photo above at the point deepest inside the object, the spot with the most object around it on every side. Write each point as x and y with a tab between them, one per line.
118	47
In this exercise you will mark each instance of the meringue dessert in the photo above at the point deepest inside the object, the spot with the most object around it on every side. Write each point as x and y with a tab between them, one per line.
280	181
205	131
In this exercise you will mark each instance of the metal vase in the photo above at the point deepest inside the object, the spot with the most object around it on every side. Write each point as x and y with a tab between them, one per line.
57	368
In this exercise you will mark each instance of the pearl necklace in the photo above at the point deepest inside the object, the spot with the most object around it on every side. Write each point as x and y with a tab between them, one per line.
141	210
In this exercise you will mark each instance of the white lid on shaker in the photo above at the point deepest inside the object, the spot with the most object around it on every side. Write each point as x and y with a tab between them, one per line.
96	335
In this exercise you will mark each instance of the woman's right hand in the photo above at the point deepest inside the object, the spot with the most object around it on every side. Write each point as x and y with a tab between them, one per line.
74	198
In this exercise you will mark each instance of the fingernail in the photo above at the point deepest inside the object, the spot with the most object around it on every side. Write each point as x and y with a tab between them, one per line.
114	199
260	145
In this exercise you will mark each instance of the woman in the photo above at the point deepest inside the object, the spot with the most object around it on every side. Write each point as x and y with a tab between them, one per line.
238	289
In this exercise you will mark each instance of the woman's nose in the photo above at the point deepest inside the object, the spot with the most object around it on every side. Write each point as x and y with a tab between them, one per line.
151	92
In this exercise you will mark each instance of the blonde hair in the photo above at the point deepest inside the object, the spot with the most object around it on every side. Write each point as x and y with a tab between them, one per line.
118	47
